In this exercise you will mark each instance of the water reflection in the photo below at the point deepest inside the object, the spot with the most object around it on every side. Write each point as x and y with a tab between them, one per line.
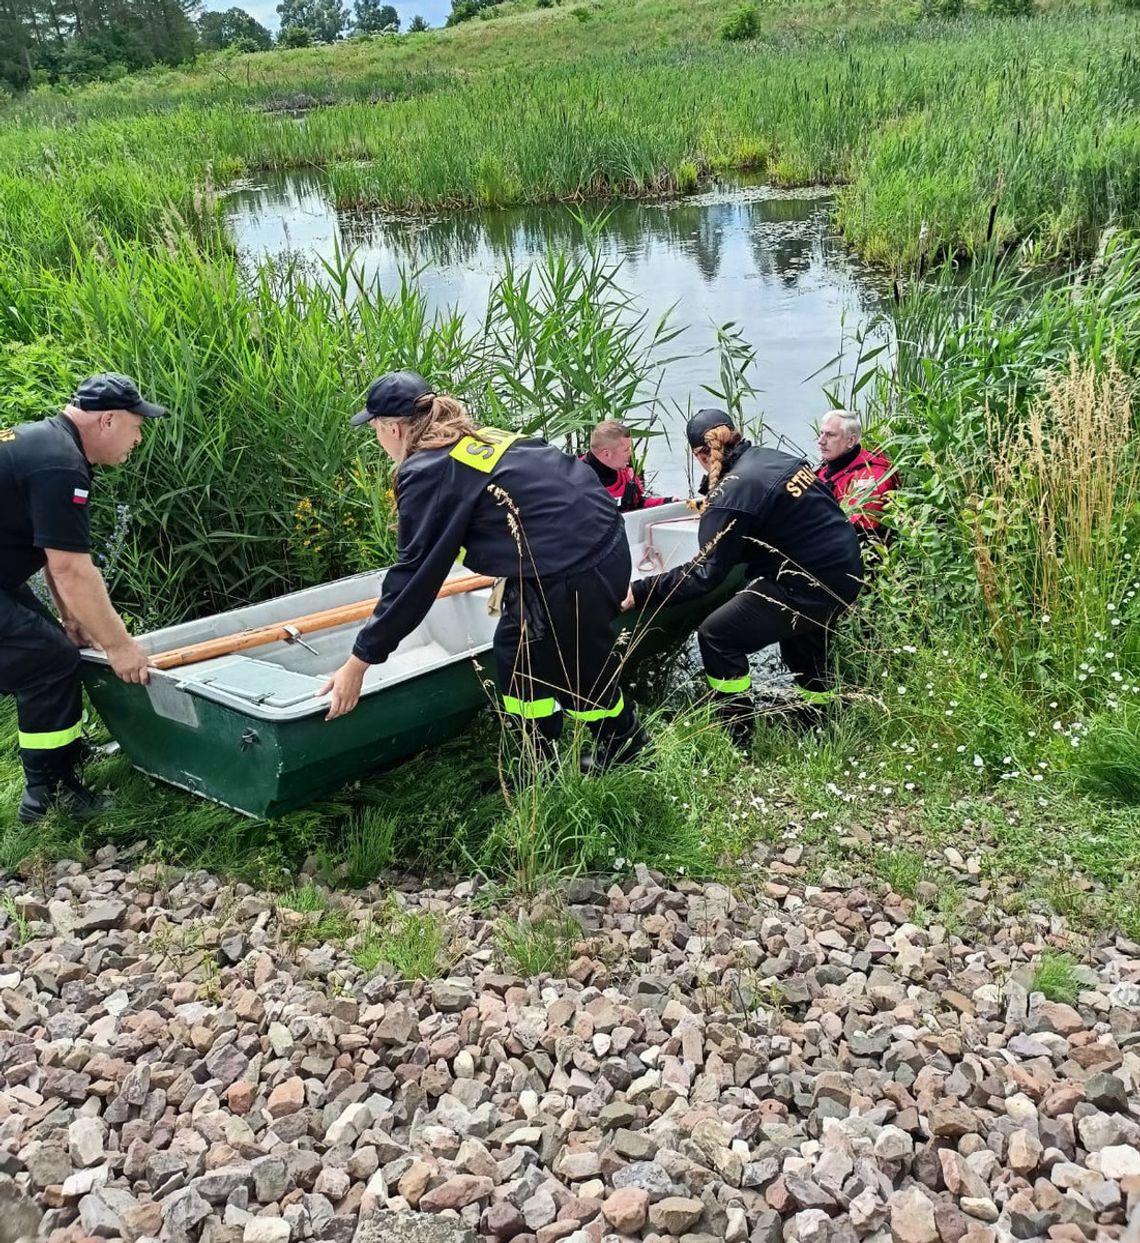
768	261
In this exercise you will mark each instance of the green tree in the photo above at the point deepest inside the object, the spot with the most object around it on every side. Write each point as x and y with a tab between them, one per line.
294	36
326	19
233	27
371	17
417	24
465	10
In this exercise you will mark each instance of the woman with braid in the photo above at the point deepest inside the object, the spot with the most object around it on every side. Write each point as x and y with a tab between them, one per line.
769	512
518	509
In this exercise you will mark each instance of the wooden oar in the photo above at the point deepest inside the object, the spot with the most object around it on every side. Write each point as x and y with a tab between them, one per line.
277	632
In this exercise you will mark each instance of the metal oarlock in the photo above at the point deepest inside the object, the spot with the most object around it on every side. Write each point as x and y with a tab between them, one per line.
293	635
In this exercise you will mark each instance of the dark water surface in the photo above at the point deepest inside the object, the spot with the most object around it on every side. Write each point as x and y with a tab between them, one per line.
768	260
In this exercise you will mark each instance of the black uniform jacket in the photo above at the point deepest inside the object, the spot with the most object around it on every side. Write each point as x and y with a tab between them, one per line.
514	508
45	493
771	514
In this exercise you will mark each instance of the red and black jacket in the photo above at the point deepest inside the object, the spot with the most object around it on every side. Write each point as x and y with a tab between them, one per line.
861	481
623	485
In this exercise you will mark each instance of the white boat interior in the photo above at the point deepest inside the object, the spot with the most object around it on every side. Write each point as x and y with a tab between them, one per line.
281	681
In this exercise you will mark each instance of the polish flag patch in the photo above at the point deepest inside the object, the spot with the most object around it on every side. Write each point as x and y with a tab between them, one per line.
79	496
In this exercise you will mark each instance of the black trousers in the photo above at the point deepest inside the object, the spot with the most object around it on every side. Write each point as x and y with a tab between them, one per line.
554	647
763	613
39	665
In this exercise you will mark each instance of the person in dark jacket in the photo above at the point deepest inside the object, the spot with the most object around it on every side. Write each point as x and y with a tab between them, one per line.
518	509
45	499
860	479
610	458
767	511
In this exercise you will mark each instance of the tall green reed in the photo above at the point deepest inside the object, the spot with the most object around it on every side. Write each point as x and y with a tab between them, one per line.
257	485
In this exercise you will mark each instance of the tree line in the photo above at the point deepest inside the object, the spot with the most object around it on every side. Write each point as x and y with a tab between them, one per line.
77	41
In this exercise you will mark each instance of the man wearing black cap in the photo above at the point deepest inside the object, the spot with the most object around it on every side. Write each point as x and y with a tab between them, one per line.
767	511
45	499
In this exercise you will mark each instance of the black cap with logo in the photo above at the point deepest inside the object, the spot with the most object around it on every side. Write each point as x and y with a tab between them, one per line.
112	391
704	421
394	396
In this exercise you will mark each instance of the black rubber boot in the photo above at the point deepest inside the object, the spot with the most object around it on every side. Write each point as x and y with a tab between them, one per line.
737	715
52	783
617	741
67	794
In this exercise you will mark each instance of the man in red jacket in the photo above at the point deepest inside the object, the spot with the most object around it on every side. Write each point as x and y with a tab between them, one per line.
611	451
861	480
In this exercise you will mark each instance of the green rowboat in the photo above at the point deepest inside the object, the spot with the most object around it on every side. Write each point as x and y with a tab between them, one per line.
247	729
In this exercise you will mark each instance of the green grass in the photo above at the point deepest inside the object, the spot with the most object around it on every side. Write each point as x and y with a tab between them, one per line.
902	870
1054	975
412	944
539	947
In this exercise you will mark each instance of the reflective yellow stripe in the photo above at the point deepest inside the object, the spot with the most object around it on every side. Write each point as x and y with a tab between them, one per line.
598	714
730	686
529	709
50	741
484	450
817	697
462	556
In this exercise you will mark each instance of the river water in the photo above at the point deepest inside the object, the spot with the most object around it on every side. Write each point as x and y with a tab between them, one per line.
767	260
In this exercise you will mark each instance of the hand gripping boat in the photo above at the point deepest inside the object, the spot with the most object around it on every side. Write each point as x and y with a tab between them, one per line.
247	729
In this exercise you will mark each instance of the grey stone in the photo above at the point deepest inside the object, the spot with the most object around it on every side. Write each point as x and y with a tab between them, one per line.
79	921
219	1184
184	1210
1106	1092
226	1064
647	1175
388	1227
102	1211
48	1165
19	1216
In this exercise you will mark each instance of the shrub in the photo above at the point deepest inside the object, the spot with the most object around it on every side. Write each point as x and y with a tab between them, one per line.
295	36
1108	761
1009	8
741	24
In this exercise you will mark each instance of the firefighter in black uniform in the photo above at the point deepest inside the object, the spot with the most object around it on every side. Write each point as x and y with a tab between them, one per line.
45	497
515	508
767	511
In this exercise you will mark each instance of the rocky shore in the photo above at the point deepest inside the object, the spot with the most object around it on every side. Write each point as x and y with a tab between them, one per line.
181	1059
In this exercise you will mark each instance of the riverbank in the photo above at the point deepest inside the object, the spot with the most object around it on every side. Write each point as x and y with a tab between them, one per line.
943	135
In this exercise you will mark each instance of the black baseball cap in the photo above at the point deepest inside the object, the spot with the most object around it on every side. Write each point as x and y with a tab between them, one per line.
111	391
393	396
704	421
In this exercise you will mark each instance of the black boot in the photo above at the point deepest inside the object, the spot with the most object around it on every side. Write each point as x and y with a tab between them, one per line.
68	795
619	740
52	783
737	716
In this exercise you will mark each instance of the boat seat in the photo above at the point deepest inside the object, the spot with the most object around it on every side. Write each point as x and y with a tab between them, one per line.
255	682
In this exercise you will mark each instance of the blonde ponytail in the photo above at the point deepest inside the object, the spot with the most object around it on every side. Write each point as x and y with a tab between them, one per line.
437	422
719	440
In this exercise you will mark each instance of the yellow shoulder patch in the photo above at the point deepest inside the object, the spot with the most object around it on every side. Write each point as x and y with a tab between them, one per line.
483	452
6	434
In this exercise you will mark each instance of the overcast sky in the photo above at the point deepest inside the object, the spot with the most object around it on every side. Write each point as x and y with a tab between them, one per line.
435	11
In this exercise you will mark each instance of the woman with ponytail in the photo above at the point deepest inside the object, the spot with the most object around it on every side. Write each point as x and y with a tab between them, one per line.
767	511
517	509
